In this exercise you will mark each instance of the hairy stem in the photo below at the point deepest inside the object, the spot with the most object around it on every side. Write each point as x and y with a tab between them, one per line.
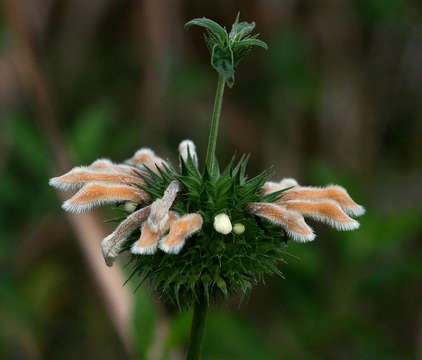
212	140
198	329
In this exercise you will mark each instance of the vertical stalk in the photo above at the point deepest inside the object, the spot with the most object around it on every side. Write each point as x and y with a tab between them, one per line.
198	329
212	140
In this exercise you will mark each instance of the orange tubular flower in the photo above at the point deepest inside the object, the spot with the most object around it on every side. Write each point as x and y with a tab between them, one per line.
104	182
331	205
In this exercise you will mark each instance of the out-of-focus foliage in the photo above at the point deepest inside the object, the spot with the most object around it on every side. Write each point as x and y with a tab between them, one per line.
336	98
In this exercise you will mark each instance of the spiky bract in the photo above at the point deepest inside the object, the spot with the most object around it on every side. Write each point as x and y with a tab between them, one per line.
212	263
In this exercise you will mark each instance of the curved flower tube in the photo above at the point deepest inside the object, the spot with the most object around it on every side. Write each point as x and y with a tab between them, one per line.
104	182
162	228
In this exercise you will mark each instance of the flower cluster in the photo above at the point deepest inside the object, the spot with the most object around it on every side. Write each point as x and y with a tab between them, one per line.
194	234
229	247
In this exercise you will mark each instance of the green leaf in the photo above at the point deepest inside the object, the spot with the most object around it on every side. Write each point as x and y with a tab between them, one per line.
222	61
252	42
215	29
240	30
227	50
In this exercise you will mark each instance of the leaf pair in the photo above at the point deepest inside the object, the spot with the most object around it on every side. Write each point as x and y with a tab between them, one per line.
228	49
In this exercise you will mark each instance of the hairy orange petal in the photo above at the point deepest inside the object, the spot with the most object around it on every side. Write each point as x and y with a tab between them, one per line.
107	165
112	244
270	186
333	192
148	241
181	229
95	194
79	176
325	211
148	158
293	222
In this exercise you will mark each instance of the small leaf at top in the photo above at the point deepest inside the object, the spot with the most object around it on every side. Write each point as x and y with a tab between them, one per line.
252	42
217	30
240	30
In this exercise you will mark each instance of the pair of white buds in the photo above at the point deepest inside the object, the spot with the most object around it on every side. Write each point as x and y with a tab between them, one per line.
223	225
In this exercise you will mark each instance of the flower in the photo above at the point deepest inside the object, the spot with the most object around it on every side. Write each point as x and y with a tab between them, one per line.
331	205
165	207
105	182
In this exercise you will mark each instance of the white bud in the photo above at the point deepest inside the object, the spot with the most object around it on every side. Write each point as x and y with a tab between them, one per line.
187	147
222	224
238	228
130	206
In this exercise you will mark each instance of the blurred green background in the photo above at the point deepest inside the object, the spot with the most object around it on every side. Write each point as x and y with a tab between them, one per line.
336	99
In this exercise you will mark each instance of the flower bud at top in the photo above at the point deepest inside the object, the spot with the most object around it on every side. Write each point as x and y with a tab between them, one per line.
222	224
238	228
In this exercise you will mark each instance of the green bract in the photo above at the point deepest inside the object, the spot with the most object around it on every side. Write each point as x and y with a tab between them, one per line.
228	49
212	263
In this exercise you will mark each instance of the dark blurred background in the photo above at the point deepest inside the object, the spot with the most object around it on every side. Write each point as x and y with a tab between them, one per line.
336	99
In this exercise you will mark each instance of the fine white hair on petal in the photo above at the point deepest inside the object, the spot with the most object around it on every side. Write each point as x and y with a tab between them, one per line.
291	221
147	250
109	252
270	187
108	166
187	147
60	184
101	162
146	157
56	183
113	243
81	175
180	231
98	193
141	155
160	207
160	216
352	208
78	209
332	192
288	182
358	211
326	211
148	241
175	249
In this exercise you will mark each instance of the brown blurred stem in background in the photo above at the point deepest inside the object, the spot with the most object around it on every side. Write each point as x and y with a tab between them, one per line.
87	228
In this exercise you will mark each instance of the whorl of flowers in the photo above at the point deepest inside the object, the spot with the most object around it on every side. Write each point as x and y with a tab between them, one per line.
194	233
180	232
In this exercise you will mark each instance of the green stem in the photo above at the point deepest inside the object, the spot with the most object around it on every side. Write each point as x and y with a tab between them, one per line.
212	140
198	329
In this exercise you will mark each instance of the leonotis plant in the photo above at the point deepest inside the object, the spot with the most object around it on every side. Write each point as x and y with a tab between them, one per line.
198	231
